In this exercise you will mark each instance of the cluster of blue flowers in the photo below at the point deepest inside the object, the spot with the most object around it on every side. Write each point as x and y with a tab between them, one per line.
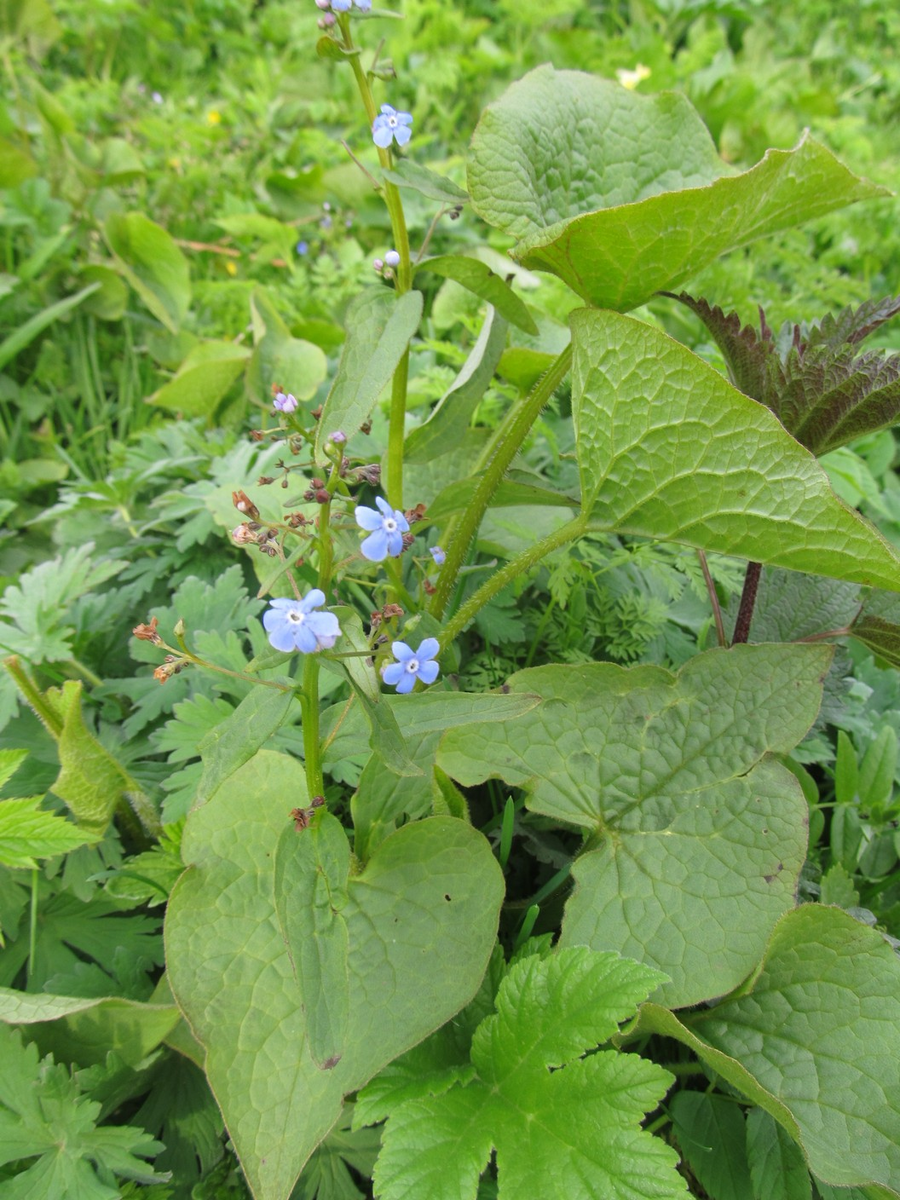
295	625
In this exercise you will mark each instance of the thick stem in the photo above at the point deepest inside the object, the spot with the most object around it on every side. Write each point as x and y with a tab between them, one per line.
713	599
513	433
515	567
748	600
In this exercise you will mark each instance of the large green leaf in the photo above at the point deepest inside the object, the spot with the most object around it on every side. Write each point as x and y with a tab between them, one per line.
154	266
815	1040
668	449
203	379
699	834
621	194
421	921
379	324
293	363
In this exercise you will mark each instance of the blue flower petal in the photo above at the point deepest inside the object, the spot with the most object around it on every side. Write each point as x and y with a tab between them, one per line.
393	673
428	649
406	683
282	638
386	510
313	599
402	652
428	671
381	134
375	546
368	518
394	544
282	602
388	110
305	639
402	134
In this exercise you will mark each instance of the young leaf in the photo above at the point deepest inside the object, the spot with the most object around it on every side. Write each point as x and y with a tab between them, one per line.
696	829
712	1136
643	207
154	266
846	771
814	1041
562	1125
876	772
449	420
421	918
477	277
668	449
379	324
777	1166
407	174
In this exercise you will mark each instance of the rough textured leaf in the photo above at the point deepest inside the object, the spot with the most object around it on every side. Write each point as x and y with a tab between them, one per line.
815	1041
379	327
421	917
85	1030
477	277
235	740
203	379
701	835
668	449
449	420
154	266
561	1125
622	195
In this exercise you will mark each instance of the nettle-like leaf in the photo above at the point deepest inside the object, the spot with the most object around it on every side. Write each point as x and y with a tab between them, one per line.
27	832
44	1116
812	378
561	1124
668	449
420	923
700	835
622	195
814	1040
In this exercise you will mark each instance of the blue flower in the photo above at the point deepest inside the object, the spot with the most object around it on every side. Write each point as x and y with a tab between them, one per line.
412	665
389	125
438	555
286	403
392	258
302	248
341	5
386	529
364	5
292	625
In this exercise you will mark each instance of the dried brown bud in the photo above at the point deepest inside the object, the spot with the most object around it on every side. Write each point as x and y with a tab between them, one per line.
375	620
316	413
430	589
245	505
302	816
147	633
170	667
408	539
415	514
366	428
295	520
309	495
256	435
243	535
323	496
391	610
264	479
370	473
276	388
317	483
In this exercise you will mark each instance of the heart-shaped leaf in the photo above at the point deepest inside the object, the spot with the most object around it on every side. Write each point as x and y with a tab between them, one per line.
421	921
622	195
668	449
699	835
814	1041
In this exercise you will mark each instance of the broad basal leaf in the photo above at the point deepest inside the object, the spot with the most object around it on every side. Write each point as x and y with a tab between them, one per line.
815	1041
203	379
668	449
561	1125
420	919
622	195
696	836
149	259
379	324
294	364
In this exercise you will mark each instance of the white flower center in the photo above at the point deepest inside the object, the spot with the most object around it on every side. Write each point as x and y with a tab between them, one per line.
392	122
389	525
412	666
296	616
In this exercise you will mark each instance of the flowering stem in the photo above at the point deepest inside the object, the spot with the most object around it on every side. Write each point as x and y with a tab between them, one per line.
515	567
512	434
403	277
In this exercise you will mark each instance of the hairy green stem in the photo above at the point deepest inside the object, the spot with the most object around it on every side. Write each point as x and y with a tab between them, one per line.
403	280
512	434
515	567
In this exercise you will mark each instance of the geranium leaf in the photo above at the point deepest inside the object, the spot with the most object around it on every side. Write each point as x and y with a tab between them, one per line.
668	449
27	833
649	766
814	1041
622	195
421	920
561	1125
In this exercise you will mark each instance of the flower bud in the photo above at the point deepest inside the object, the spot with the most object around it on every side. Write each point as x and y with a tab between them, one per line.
337	438
180	627
392	258
243	535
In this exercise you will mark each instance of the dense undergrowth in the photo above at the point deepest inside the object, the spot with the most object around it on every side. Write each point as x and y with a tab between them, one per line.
184	222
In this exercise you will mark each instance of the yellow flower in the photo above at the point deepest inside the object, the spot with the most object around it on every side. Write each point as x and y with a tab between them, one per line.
630	79
231	267
214	117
